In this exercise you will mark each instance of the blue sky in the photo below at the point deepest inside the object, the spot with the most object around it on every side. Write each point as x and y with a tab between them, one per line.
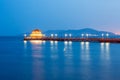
20	16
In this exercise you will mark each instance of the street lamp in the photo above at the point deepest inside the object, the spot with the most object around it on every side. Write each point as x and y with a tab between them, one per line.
82	35
52	35
66	35
87	35
70	35
25	35
56	35
107	35
102	35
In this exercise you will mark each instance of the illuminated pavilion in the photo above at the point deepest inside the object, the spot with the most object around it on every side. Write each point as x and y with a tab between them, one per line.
36	34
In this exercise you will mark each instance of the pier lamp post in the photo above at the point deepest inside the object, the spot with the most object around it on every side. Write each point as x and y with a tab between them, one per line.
52	35
56	35
70	35
107	35
102	35
66	35
87	35
25	35
82	35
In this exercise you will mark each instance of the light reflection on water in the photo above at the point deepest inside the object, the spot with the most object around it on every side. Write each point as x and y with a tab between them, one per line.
38	66
44	42
85	51
105	60
42	60
53	50
25	44
68	59
68	54
36	48
36	42
68	49
105	51
25	48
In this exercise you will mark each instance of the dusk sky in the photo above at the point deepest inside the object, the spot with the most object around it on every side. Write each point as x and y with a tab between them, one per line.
21	16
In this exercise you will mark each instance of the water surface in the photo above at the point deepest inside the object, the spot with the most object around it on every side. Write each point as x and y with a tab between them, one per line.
52	60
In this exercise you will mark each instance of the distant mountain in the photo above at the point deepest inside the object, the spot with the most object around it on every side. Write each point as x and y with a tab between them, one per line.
84	31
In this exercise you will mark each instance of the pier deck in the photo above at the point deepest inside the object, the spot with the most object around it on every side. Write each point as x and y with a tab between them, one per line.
111	40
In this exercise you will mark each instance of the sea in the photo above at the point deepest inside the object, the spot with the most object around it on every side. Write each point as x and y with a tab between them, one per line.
53	60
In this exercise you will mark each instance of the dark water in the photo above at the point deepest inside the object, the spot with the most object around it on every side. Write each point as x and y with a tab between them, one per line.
36	60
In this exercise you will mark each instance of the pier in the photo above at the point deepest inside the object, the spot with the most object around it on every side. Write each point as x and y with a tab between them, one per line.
110	40
37	35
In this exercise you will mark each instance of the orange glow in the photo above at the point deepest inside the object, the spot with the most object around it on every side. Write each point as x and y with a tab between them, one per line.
36	41
36	34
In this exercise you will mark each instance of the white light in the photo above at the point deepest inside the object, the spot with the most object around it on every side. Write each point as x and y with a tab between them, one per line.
44	42
102	34
25	42
51	42
107	44
102	44
56	35
87	35
87	43
66	35
65	42
56	42
70	42
82	35
70	35
25	35
82	43
102	47
107	34
52	35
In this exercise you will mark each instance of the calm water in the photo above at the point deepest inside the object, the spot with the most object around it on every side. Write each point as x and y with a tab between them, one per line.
36	60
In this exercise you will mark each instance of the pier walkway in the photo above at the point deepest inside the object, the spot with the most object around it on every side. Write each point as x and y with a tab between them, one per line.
111	40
